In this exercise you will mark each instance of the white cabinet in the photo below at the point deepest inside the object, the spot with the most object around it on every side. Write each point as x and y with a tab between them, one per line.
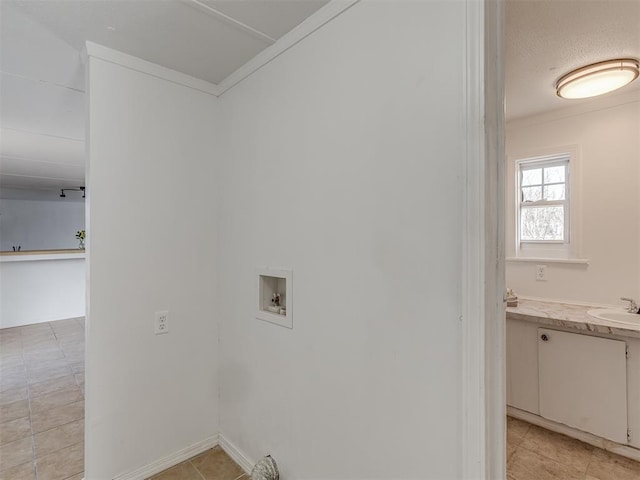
584	364
582	382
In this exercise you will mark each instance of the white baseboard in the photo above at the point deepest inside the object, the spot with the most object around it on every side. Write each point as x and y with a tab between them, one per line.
236	454
172	459
623	450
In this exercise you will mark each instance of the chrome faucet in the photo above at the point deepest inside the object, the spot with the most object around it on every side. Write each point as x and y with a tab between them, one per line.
633	306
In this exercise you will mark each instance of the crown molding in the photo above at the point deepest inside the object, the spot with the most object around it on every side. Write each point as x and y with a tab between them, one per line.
149	68
324	15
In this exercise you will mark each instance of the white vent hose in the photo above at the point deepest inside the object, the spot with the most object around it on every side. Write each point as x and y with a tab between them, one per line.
265	469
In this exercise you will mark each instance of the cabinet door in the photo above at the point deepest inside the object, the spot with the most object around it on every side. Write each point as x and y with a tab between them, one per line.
583	382
522	365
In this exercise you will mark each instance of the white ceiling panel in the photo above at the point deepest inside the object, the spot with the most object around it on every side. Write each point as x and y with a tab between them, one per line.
44	183
546	39
38	107
28	49
271	17
15	166
43	148
167	32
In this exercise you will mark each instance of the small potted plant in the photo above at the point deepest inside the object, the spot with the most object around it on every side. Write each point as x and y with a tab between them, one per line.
81	235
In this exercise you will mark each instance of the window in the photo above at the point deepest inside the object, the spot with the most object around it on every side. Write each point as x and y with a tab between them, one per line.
544	207
543	200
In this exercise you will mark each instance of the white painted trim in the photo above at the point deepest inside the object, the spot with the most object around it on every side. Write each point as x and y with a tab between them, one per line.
149	68
589	438
324	15
230	20
473	254
493	179
579	261
170	460
236	454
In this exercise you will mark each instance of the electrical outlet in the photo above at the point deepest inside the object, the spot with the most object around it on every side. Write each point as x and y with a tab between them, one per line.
541	273
161	324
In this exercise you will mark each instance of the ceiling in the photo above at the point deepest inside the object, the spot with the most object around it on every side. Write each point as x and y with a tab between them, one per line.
546	39
42	81
42	84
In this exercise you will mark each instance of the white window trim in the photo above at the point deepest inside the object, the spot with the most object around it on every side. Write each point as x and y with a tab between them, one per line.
570	248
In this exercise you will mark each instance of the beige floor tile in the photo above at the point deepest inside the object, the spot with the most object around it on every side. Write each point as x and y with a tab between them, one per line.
15	453
42	346
57	416
26	471
35	367
609	466
13	395
50	386
57	438
528	465
77	367
9	358
79	476
516	430
215	464
11	411
182	471
511	449
61	464
12	381
14	430
79	378
55	399
75	337
11	370
560	448
31	358
44	374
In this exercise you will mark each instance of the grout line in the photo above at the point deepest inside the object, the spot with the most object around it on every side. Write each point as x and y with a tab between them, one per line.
31	437
196	469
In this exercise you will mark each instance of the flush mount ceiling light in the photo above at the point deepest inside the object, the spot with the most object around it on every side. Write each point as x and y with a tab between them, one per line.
598	78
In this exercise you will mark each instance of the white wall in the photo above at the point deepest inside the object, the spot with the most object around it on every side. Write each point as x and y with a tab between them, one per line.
607	133
41	290
151	205
40	224
344	161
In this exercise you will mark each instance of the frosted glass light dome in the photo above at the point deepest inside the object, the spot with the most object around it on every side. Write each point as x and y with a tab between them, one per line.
598	78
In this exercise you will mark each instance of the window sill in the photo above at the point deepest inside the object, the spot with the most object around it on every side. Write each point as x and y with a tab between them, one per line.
579	261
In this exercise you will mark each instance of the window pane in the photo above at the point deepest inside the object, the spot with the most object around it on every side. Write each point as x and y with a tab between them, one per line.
531	194
554	192
532	177
542	223
554	174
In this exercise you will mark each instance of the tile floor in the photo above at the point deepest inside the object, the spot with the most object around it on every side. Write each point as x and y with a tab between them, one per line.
534	453
213	464
42	401
42	422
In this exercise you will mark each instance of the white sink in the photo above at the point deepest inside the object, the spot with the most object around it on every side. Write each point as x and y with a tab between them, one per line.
618	316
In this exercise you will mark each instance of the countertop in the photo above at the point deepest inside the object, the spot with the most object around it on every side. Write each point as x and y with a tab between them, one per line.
36	255
568	316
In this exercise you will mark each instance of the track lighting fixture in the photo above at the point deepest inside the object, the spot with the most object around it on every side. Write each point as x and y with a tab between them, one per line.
75	189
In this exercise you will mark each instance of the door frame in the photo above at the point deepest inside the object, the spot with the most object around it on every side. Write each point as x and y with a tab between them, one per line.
483	418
